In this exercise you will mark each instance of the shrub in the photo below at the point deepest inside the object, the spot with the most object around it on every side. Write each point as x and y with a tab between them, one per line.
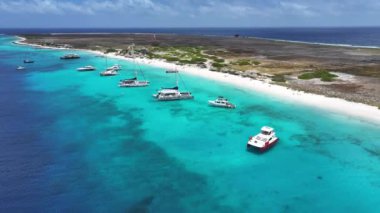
218	65
278	78
256	63
324	75
110	50
170	58
242	62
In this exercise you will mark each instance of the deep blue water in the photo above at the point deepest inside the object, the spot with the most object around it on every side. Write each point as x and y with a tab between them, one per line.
75	142
355	36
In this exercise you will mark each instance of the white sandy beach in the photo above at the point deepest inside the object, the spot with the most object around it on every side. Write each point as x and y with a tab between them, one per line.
343	107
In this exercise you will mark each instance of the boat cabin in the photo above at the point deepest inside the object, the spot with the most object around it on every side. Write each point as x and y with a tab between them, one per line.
266	130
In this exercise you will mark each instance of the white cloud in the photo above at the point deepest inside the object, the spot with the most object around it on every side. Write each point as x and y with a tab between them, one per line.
84	7
296	8
225	9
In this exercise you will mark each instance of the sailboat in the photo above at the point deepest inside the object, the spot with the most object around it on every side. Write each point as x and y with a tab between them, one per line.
108	71
133	82
172	94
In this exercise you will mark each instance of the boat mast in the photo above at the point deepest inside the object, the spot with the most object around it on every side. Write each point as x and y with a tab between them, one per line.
176	79
132	52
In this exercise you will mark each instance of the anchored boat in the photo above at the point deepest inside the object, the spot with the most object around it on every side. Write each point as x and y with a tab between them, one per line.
171	71
28	61
221	102
70	56
109	73
86	68
115	67
172	94
264	140
20	68
133	82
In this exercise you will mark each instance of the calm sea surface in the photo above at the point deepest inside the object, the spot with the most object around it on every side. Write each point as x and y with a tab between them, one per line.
75	142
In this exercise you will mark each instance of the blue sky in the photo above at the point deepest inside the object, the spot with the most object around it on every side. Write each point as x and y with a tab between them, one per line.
188	13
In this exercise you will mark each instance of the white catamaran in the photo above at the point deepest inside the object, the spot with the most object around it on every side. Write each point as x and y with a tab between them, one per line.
172	94
134	82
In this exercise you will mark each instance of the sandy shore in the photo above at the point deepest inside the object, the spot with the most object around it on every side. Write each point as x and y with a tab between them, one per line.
356	110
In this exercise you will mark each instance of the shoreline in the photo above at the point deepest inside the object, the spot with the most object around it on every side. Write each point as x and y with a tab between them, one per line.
336	105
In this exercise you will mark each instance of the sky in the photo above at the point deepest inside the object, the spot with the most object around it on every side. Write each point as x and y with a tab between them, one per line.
187	13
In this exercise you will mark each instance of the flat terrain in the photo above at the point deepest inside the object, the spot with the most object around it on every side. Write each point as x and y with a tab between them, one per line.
357	69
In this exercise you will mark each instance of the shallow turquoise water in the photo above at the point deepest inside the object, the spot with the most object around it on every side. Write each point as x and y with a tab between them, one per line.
100	148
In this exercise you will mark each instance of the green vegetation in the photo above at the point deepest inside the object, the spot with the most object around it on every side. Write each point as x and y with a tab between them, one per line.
170	58
245	62
111	50
256	63
324	75
218	65
181	54
279	78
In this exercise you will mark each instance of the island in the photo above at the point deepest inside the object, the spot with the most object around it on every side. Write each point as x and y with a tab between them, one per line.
346	72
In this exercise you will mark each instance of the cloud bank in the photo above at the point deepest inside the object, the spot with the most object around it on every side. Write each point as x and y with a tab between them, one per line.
228	11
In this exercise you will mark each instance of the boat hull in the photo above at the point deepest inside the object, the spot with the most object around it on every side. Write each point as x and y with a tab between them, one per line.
264	148
141	84
85	70
107	75
173	98
213	104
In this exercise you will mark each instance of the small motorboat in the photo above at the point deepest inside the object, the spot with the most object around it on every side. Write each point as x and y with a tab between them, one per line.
171	71
86	68
28	61
20	68
109	73
115	67
264	140
221	102
70	56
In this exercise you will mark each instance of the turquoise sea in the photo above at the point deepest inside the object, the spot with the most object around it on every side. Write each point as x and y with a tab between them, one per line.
75	142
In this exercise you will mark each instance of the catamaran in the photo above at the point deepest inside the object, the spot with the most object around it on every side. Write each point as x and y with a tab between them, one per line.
133	82
221	102
264	140
172	94
86	68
